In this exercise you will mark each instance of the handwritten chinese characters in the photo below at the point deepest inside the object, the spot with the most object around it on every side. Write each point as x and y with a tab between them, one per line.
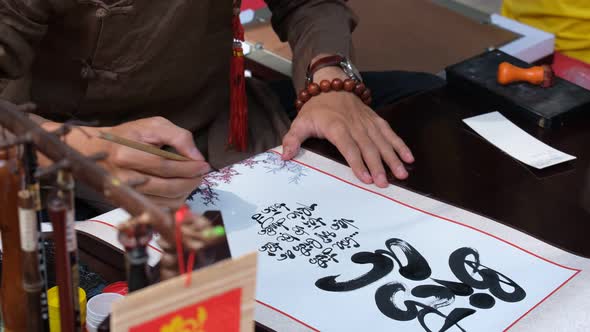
300	233
472	276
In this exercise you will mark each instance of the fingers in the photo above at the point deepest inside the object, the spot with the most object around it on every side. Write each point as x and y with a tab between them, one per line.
372	156
160	131
172	203
339	135
170	188
398	144
173	188
388	154
363	138
157	131
128	158
296	135
370	143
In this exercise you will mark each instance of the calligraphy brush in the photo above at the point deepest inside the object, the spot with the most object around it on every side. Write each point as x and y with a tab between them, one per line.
142	147
32	281
65	184
61	213
14	315
152	150
30	167
57	210
147	148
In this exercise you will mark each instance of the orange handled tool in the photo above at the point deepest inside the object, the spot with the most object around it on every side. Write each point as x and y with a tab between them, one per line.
539	75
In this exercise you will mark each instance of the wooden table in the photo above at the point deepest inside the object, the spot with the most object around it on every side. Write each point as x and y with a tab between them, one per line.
455	165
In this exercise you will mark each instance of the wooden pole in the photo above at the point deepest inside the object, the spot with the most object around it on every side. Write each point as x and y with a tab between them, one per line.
12	294
29	240
58	213
30	167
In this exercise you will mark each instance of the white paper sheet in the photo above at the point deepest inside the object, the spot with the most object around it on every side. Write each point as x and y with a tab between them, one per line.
517	143
254	197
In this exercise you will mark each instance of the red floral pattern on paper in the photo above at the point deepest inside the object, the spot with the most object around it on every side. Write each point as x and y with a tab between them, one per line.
270	161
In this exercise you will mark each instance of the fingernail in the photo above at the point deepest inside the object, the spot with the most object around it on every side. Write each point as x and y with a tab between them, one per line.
195	154
381	180
367	177
408	157
286	153
204	169
401	172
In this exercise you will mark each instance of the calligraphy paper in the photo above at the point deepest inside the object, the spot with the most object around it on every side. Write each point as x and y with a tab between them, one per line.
335	255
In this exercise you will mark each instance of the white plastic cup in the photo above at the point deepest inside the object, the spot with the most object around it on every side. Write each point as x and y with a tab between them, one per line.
98	308
90	327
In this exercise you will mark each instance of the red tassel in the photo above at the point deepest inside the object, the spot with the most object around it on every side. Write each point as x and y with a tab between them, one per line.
238	120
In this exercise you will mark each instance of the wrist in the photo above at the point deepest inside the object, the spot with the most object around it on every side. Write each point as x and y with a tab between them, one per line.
329	73
330	67
336	85
332	73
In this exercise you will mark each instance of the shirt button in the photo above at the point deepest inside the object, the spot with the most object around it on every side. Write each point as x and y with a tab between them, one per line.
101	12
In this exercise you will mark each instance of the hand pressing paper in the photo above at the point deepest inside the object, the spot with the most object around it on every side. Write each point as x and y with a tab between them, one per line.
517	143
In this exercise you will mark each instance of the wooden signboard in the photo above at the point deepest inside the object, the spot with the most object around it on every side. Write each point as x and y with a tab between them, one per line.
219	298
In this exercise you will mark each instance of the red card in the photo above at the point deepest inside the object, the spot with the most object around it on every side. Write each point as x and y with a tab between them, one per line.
217	314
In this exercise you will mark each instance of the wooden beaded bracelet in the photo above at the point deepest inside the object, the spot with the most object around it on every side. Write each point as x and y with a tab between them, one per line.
348	85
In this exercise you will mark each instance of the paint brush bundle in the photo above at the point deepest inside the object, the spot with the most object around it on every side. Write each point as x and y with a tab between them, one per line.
24	272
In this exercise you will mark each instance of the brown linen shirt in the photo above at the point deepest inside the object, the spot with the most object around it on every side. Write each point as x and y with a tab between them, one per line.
114	61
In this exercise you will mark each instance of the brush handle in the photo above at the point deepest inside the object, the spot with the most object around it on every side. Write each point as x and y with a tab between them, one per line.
65	183
30	167
29	238
142	147
14	314
63	274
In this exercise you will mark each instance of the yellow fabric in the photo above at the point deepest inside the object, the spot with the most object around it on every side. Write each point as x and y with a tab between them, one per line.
569	20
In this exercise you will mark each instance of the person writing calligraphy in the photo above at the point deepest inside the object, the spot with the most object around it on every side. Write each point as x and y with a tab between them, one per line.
158	72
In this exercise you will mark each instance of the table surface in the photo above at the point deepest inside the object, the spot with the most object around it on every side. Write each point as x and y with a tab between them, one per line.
455	165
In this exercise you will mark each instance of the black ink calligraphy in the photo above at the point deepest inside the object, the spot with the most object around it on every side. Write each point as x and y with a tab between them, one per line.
464	264
342	223
347	243
324	258
300	231
271	248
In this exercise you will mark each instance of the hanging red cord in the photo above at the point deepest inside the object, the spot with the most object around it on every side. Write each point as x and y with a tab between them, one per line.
179	217
238	120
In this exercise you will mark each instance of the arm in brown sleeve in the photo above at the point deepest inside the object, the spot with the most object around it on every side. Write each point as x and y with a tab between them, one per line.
22	25
313	27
